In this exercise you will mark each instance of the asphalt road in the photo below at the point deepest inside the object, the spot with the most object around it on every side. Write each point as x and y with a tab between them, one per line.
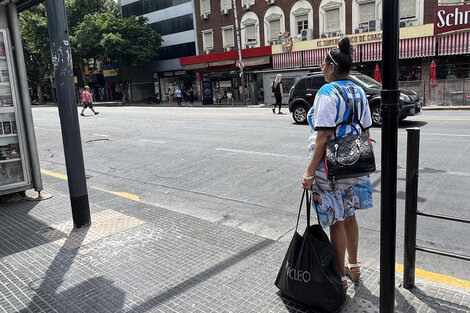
242	167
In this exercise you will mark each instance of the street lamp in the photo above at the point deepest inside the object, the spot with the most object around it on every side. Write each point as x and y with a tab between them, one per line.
239	48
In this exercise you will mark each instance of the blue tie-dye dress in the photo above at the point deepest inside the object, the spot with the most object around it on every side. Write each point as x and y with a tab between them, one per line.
342	198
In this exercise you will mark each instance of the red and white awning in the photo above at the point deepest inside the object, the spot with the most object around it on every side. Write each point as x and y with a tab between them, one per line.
372	52
357	54
315	57
417	47
458	43
287	60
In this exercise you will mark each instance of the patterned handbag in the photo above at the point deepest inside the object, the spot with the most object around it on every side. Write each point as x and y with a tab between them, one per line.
349	156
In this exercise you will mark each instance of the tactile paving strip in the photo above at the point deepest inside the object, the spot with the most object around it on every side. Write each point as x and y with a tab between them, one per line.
103	224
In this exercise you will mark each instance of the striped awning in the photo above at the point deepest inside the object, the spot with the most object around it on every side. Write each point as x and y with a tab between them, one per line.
315	57
372	52
409	48
417	47
458	43
287	60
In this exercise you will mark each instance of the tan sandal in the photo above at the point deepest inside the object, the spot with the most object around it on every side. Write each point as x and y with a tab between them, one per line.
353	275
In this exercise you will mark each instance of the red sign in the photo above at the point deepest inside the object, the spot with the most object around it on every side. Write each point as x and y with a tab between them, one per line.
451	18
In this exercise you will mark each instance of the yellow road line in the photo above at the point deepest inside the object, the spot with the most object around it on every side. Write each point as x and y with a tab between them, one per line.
54	174
436	277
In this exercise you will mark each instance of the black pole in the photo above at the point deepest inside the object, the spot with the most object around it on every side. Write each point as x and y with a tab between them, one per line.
411	206
67	102
390	112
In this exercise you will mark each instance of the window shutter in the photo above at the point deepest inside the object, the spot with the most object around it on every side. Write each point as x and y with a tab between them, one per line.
250	33
205	6
226	4
332	20
408	8
367	11
275	27
208	40
228	37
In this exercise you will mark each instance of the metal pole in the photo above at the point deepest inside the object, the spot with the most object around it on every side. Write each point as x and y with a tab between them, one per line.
390	112
239	47
25	103
62	61
411	206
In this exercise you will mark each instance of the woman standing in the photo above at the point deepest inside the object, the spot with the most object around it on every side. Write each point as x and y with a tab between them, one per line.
278	91
330	109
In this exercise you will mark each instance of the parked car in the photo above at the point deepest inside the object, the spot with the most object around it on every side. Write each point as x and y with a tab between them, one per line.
302	94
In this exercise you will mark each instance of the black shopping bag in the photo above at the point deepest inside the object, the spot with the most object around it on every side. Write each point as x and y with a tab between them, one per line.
308	273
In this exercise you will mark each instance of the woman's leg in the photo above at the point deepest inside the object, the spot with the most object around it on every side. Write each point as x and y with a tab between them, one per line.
352	233
339	241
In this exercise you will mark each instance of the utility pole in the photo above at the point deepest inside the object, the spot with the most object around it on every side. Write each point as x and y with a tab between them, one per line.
390	111
239	47
63	68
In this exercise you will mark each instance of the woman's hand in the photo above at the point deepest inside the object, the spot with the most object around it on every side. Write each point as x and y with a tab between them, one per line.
307	181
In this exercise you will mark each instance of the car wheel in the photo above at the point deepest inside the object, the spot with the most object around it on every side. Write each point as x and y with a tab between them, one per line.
376	116
300	114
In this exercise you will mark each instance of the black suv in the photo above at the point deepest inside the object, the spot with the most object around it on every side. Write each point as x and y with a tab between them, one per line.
303	93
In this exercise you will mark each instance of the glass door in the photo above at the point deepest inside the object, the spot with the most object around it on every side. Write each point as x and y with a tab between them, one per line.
12	163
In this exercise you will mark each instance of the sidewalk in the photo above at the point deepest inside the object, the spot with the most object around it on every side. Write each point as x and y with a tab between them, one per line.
141	258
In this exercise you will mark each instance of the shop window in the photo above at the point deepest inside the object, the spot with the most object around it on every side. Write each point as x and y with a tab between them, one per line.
205	7
408	9
332	20
366	13
227	36
226	4
275	28
250	31
302	23
208	40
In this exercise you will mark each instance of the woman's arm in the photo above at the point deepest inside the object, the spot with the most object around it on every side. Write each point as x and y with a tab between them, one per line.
281	89
318	153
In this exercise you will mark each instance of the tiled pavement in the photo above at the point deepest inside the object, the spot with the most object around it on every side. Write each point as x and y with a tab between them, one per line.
140	258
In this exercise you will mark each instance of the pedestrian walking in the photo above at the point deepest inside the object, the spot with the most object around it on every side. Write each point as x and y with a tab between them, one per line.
179	95
220	95
87	101
340	196
191	95
230	97
278	91
170	95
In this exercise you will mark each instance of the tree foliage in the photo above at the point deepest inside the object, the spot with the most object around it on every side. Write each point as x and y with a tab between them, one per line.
37	52
126	42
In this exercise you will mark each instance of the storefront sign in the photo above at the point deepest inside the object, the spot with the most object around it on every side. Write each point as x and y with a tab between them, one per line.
286	42
174	73
355	39
451	18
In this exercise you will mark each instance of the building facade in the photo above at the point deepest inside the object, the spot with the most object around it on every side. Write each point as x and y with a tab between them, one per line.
175	21
301	32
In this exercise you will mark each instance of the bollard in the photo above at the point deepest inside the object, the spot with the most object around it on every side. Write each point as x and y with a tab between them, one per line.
411	206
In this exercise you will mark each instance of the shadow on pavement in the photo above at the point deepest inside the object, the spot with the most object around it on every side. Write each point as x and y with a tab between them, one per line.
199	278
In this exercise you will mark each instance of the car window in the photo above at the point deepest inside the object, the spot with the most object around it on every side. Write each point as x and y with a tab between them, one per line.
366	80
300	84
287	83
315	82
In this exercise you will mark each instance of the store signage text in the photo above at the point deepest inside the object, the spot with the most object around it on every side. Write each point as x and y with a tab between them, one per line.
174	73
450	18
355	39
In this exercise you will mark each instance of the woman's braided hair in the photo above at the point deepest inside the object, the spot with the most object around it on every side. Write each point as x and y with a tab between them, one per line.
341	56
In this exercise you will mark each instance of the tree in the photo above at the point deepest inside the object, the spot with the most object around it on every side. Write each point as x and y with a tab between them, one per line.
37	52
126	42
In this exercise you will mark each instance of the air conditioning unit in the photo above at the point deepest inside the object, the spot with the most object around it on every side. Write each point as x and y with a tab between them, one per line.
228	48
225	11
402	24
409	23
356	31
249	46
306	34
270	1
247	7
205	16
208	50
273	42
323	36
375	25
